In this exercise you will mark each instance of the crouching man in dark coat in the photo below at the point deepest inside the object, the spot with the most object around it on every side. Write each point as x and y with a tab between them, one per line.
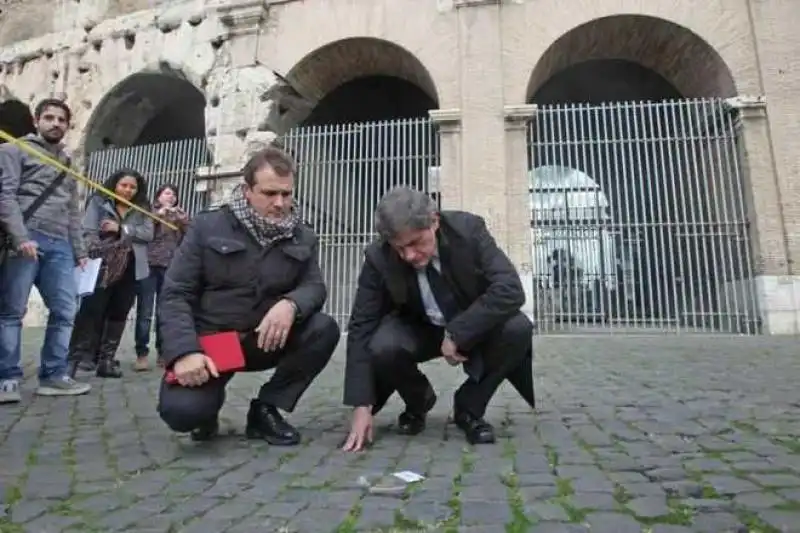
250	266
434	284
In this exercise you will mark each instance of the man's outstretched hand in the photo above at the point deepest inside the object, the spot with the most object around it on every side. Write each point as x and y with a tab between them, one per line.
360	430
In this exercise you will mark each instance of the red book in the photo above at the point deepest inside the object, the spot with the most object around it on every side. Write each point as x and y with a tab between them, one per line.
225	349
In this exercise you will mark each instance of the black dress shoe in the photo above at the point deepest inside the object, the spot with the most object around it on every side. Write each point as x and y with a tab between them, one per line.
266	423
477	430
412	422
206	432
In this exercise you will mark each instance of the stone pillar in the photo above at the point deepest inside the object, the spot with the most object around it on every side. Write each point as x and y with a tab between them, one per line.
237	109
483	162
449	183
777	290
518	196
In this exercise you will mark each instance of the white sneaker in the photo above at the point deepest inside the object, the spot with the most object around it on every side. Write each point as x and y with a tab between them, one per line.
63	386
9	391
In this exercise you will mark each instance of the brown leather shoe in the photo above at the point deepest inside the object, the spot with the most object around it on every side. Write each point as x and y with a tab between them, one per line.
141	364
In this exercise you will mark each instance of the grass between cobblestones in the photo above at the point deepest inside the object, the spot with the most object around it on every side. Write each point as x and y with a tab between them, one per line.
680	514
520	522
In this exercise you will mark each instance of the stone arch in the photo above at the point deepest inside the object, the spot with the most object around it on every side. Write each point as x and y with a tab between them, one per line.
364	66
158	104
672	52
15	116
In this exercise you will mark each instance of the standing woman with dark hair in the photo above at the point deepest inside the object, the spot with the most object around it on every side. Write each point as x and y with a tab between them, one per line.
119	234
159	254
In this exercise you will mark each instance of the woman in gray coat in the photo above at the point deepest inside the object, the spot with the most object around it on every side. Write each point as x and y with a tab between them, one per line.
102	317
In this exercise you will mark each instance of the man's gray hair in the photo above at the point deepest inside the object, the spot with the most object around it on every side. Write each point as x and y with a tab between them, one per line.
402	209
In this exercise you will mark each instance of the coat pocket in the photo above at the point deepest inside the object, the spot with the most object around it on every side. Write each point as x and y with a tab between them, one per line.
225	246
227	263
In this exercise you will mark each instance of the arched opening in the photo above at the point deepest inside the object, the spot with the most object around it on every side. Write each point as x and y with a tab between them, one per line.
15	118
366	131
637	201
370	99
363	79
153	121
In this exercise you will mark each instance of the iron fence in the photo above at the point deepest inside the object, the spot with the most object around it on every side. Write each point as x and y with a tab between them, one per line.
173	162
639	219
343	171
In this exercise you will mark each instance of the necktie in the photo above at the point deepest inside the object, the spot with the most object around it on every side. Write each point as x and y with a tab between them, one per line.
442	293
449	307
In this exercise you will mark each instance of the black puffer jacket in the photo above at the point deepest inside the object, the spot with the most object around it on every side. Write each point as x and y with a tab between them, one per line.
220	279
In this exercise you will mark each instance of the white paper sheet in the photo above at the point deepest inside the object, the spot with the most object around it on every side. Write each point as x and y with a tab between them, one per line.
86	277
409	476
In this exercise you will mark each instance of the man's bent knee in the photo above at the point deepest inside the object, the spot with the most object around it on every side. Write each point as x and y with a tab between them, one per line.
386	357
184	410
390	343
323	332
518	329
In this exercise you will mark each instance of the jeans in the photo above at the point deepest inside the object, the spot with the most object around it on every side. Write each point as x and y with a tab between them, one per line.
53	273
147	291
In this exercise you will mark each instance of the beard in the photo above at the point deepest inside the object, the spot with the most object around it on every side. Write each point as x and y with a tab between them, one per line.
52	136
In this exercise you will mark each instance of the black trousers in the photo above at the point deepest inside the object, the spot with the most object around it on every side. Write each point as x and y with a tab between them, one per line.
310	345
102	317
398	347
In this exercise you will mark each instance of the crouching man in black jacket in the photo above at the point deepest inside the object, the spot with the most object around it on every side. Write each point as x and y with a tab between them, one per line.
250	266
434	285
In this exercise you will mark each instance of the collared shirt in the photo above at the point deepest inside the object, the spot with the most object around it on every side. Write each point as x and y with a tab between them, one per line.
432	310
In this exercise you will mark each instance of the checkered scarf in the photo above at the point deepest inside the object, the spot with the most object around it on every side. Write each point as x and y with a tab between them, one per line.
265	232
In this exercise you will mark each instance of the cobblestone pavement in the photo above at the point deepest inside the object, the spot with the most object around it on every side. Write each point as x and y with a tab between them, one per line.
659	434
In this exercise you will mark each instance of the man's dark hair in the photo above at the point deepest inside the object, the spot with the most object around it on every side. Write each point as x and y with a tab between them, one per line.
271	156
402	209
42	106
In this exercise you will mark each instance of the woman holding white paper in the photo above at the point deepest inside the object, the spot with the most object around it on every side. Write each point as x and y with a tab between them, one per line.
119	235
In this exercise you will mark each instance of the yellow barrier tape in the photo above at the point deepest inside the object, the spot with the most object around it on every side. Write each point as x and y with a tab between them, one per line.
83	179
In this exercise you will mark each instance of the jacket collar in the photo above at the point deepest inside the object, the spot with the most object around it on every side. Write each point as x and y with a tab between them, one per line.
38	140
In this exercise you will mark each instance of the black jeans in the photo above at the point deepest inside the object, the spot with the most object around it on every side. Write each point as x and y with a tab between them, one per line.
147	291
398	347
310	345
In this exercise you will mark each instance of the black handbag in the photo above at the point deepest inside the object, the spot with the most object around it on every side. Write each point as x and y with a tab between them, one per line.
115	253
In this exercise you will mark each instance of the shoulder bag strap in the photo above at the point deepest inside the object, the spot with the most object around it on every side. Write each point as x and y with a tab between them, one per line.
42	198
45	194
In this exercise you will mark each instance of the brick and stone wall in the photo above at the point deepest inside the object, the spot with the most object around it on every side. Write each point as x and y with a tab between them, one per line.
481	60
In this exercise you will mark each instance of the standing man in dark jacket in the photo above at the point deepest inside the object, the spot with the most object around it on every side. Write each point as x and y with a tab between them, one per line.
435	284
251	267
45	249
